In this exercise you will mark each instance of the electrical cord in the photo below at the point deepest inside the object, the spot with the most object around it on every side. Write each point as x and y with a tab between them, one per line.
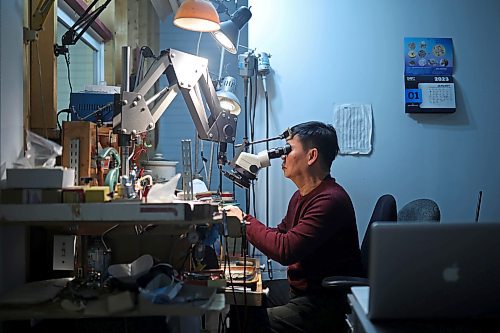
248	120
244	249
245	139
144	53
219	324
67	59
210	164
100	176
253	134
220	174
198	44
254	106
234	184
68	111
228	262
188	254
250	112
108	249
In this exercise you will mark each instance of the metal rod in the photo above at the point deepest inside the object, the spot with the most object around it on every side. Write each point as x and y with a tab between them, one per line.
125	140
125	68
267	169
221	62
260	141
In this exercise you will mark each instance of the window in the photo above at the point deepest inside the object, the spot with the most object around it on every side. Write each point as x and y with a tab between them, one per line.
86	59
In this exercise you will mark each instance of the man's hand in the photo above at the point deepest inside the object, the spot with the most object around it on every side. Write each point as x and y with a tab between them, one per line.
231	211
233	227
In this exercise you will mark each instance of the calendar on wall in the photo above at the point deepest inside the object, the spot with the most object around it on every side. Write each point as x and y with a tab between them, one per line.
429	86
429	94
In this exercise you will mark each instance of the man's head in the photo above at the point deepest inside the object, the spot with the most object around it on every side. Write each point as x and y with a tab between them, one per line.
313	144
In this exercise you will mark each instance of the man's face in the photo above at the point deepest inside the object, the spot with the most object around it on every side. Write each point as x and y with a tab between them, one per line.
295	163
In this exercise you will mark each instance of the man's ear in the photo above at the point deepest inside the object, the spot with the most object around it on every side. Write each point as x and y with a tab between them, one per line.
312	156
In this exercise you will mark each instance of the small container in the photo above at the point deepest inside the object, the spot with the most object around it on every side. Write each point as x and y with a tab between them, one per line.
161	169
227	196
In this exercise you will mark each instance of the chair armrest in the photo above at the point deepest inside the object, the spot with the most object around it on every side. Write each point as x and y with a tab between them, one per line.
344	282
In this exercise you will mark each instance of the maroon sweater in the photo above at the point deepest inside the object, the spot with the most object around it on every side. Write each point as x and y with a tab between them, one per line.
317	238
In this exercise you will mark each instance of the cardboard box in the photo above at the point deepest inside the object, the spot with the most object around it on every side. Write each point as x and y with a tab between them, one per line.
82	134
57	177
73	195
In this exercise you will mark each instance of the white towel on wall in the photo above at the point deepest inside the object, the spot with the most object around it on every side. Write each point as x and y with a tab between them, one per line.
353	123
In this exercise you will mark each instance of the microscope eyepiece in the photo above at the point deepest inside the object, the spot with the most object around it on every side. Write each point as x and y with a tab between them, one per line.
280	151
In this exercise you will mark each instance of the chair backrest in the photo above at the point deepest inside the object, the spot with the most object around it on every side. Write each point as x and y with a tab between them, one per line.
420	210
385	210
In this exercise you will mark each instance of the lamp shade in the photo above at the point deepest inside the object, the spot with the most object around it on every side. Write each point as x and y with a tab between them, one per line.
227	99
197	15
229	31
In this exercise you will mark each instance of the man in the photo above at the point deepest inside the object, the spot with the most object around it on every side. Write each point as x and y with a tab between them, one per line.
317	237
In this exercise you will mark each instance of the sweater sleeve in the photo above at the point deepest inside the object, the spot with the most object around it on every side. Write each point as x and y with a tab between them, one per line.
314	227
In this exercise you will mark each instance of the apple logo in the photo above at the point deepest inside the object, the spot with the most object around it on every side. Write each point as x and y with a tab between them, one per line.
451	273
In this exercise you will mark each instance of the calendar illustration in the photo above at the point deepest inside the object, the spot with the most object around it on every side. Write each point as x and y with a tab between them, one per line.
429	86
437	95
428	56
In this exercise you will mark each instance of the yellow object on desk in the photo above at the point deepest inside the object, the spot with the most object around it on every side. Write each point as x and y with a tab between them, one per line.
97	194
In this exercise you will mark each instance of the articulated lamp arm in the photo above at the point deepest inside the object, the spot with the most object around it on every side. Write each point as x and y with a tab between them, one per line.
186	74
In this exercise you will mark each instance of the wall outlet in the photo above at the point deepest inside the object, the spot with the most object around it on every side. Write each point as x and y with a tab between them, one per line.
64	253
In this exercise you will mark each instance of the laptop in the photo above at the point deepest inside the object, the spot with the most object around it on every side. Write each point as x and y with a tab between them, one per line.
429	270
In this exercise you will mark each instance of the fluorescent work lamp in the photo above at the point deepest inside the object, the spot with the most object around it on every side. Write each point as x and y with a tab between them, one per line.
227	98
229	31
197	15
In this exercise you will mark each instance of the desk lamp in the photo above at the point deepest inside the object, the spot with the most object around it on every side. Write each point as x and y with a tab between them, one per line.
227	98
229	31
197	15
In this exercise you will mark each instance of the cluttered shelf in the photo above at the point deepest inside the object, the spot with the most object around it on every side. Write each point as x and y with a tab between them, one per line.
47	300
69	298
116	211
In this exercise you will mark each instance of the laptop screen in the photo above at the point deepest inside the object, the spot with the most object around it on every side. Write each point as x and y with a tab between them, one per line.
434	270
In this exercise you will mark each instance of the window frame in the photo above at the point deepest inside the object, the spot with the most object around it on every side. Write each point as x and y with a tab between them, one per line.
92	40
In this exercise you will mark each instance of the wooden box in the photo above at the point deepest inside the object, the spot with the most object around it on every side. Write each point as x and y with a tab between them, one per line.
79	148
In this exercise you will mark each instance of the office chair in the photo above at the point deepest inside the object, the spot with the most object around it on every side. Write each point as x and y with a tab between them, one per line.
420	210
385	210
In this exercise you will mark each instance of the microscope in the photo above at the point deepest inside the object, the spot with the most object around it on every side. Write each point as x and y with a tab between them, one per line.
246	165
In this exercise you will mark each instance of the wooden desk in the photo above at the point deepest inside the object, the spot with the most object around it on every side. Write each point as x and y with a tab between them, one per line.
360	323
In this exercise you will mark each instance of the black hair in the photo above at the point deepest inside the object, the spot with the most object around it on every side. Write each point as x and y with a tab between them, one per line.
315	134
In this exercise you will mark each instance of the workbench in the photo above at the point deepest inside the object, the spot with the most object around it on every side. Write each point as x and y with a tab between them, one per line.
90	219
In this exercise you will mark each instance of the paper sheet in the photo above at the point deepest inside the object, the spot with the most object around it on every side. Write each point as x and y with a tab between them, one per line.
34	292
353	123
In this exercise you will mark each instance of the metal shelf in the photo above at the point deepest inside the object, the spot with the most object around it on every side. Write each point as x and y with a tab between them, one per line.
121	211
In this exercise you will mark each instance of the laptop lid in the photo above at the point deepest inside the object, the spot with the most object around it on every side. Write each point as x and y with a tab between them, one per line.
434	270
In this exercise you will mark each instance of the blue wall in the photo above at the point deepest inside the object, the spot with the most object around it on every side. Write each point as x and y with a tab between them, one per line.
347	51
